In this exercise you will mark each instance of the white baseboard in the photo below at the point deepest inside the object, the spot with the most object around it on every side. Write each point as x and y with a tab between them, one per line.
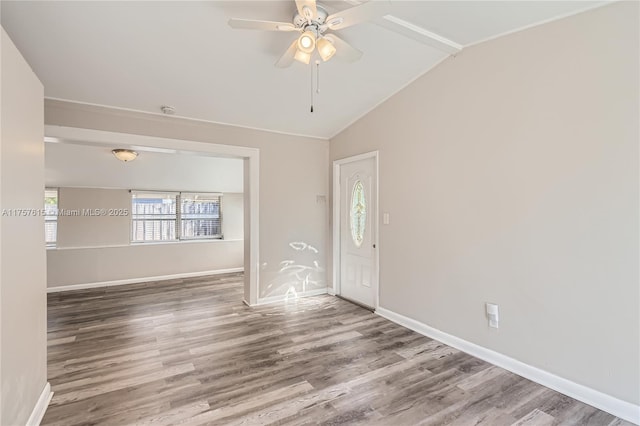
141	280
624	410
41	406
287	297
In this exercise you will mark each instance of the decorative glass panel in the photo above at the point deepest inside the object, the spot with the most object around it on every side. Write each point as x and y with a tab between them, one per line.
358	214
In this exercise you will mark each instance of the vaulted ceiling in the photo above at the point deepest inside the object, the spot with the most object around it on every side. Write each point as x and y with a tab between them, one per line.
141	55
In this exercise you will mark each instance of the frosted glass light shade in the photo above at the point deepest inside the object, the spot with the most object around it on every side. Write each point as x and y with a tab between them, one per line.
307	42
326	49
303	57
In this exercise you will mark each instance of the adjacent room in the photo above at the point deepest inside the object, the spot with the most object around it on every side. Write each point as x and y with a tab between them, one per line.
299	212
114	222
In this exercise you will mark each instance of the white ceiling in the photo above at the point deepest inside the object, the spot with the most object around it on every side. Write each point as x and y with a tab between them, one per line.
71	165
141	55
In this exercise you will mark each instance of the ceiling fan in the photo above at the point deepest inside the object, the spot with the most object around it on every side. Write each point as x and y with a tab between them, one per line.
313	23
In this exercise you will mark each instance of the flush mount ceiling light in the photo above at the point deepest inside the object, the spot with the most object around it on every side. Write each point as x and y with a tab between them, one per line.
124	155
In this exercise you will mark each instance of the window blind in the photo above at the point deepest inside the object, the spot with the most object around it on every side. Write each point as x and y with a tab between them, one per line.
154	216
171	216
50	216
200	216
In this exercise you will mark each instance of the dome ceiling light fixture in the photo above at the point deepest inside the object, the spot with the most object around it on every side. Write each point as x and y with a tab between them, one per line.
124	155
314	24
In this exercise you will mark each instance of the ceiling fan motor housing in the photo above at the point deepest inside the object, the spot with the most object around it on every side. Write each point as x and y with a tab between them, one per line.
301	21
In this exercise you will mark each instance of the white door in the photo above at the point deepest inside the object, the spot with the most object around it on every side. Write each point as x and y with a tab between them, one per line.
358	272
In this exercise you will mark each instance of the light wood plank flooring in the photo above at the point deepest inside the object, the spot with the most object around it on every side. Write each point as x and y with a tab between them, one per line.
190	352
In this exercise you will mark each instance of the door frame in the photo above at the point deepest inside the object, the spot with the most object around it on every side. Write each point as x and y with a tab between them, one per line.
337	204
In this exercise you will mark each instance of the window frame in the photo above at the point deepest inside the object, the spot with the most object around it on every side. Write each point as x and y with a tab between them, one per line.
179	237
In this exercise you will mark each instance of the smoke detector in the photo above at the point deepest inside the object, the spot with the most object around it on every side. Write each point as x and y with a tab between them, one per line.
169	110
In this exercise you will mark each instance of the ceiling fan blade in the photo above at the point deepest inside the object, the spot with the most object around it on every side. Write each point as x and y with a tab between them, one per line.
287	58
310	5
250	24
355	15
343	49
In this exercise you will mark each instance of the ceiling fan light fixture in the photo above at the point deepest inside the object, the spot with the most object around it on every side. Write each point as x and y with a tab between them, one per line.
307	42
326	49
303	57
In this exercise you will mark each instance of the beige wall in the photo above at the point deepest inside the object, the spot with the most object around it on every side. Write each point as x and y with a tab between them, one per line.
233	216
511	176
97	249
293	171
23	303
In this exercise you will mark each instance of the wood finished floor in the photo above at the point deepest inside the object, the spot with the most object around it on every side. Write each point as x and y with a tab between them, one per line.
190	352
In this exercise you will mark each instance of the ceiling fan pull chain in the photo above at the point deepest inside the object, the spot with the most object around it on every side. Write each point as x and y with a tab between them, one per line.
311	88
317	77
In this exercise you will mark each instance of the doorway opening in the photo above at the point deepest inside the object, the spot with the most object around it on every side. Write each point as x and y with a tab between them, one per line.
153	145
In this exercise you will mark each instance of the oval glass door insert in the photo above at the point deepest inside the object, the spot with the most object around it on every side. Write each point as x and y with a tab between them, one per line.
358	213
